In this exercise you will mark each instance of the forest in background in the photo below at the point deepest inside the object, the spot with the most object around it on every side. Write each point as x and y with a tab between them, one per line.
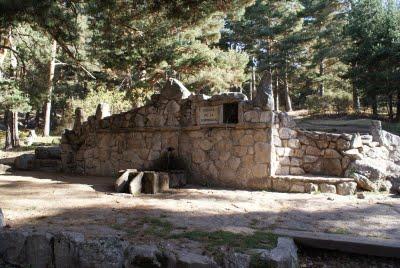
338	56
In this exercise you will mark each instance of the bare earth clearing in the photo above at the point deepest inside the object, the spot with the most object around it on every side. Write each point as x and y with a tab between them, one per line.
88	205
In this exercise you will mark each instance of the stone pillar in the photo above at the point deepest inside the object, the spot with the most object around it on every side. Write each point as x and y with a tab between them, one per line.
264	96
103	110
79	118
376	131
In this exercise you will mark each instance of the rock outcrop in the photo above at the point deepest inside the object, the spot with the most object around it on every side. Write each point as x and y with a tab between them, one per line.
68	249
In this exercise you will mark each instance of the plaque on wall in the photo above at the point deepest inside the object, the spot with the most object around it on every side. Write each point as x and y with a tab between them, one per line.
209	115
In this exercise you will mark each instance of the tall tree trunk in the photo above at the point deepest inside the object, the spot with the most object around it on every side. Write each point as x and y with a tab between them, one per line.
253	81
52	64
37	118
375	105
398	106
26	121
288	101
356	100
5	41
390	106
8	123
15	132
321	89
276	95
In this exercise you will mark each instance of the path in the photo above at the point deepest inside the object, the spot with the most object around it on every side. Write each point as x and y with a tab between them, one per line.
88	204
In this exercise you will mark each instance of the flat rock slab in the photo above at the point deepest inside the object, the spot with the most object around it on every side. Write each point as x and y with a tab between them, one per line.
314	179
345	243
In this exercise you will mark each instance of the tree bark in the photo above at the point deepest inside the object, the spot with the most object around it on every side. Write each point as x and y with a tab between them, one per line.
356	100
276	95
321	90
8	124
15	132
375	105
390	106
46	131
288	101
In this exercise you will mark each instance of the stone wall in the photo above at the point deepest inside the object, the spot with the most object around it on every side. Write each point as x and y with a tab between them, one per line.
216	144
225	140
372	160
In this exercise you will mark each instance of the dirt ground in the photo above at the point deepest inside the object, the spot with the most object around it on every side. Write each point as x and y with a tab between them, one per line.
89	205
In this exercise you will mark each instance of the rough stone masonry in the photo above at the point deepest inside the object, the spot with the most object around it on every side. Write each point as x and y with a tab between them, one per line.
222	140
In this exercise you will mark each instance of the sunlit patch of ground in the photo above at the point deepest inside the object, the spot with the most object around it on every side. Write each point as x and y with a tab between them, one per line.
89	205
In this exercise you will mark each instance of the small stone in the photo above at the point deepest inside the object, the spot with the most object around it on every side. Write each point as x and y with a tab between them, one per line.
252	116
294	143
332	166
296	171
322	144
311	150
386	186
296	162
284	255
361	196
343	144
330	198
311	188
297	188
103	110
327	188
356	141
310	159
346	188
330	153
354	154
266	117
287	133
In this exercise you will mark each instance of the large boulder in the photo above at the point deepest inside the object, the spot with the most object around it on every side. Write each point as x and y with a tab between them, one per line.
38	250
12	246
4	169
236	260
174	90
283	256
371	174
142	256
66	249
102	253
264	96
346	188
122	182
24	162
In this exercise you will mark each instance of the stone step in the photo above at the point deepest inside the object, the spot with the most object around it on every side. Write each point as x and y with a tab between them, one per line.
313	183
47	165
345	243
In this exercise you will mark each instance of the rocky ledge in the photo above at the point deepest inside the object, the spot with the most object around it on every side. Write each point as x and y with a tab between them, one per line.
67	249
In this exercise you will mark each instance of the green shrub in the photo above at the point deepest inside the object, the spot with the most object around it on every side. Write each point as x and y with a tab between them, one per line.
338	102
